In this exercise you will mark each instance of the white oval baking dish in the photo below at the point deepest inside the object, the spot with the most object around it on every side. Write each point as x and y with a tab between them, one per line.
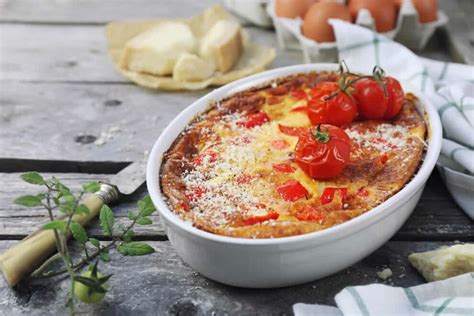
266	263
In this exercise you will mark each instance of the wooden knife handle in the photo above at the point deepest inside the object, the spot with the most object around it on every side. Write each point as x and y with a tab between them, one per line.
30	253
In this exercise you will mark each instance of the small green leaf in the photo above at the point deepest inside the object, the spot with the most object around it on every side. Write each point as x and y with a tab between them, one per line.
28	200
94	242
82	209
32	177
128	236
135	249
66	197
56	201
67	207
91	187
106	220
131	215
62	188
41	196
144	221
60	225
145	206
78	232
104	257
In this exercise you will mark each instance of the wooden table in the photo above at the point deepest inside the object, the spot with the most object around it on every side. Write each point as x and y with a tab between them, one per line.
59	93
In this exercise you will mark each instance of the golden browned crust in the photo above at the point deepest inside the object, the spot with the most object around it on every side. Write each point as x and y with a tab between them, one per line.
365	172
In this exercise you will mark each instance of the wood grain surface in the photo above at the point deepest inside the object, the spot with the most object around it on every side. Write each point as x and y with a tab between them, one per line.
65	111
161	284
436	216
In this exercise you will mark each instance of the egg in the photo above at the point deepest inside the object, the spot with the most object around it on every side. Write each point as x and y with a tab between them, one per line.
383	12
292	8
398	4
315	23
427	10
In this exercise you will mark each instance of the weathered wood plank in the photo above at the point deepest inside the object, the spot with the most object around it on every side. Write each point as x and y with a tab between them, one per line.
436	217
53	122
55	53
161	284
16	221
80	58
460	29
97	12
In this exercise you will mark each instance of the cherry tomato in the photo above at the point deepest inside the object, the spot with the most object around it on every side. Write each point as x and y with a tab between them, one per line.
253	120
292	191
298	94
205	157
284	168
300	109
327	108
394	97
323	152
88	294
261	218
290	130
328	194
280	144
371	100
310	214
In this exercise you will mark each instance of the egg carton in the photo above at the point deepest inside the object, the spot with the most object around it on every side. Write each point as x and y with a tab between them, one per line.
253	11
408	31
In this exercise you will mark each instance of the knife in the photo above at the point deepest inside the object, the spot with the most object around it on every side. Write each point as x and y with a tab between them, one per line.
27	255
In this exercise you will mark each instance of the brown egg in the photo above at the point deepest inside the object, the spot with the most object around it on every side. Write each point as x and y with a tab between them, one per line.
383	12
315	23
398	4
292	8
427	10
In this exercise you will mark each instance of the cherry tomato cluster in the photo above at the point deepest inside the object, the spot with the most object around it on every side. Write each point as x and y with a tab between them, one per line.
323	152
373	97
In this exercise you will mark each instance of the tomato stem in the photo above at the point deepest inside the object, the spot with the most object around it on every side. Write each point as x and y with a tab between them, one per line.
320	136
379	74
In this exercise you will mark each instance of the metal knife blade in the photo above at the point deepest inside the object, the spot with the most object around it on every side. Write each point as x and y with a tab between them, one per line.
130	178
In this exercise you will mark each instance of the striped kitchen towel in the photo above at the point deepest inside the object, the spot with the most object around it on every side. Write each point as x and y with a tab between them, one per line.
449	86
453	296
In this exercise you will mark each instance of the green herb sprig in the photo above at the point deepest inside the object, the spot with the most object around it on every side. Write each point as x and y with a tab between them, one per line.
58	196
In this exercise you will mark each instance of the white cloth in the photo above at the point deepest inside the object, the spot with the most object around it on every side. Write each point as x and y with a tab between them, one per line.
449	86
451	89
453	296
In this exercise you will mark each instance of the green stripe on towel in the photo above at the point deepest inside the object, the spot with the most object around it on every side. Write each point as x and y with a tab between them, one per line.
432	309
359	301
443	306
443	72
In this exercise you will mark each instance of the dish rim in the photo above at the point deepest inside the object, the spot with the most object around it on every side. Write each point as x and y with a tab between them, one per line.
155	159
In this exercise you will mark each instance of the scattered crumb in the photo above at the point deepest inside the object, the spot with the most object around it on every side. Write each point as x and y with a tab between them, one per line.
99	141
402	276
106	136
385	274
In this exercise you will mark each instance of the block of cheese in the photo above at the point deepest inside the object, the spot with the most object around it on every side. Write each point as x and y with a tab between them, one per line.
222	44
444	262
156	50
191	67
